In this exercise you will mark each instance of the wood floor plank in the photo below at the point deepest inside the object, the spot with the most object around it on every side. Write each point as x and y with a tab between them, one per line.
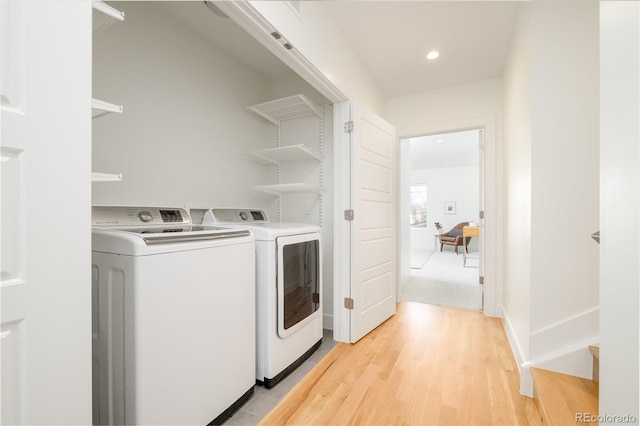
427	365
562	396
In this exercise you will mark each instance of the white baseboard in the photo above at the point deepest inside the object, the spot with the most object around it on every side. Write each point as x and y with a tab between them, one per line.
564	345
498	312
327	321
575	361
561	347
579	328
526	380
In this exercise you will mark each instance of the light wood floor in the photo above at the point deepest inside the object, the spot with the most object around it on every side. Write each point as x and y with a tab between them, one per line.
427	365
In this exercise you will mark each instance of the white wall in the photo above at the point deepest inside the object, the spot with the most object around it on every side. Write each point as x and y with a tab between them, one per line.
619	207
565	159
564	194
473	105
516	185
459	184
551	187
185	130
413	114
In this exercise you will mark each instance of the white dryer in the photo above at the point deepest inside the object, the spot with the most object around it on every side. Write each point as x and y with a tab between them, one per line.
173	318
288	289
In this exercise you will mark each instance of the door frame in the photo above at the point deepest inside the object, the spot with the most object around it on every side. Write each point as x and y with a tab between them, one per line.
341	230
405	201
492	303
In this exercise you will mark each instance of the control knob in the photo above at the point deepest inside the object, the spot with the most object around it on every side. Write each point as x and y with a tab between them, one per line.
145	216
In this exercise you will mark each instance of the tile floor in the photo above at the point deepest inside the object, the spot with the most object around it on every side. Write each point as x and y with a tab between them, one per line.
263	400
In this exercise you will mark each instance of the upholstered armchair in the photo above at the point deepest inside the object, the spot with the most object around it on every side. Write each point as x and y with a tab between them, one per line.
454	237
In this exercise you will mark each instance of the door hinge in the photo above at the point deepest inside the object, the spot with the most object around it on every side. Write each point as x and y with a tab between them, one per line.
348	303
348	127
481	279
348	215
316	297
481	214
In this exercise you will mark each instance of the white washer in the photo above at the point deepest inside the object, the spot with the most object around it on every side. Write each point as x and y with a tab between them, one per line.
289	289
173	318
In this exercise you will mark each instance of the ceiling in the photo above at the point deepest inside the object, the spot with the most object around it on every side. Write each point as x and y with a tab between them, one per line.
391	38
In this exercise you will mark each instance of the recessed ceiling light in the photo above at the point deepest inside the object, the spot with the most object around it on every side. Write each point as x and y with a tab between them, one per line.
433	55
439	141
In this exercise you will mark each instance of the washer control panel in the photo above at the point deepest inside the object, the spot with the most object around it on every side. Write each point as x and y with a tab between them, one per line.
106	216
235	215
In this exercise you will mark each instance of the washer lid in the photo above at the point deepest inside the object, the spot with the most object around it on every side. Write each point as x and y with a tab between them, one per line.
257	222
271	230
155	240
132	230
182	234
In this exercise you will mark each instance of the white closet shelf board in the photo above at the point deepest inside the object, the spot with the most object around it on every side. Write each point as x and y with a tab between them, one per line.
105	177
288	187
104	15
100	108
284	153
286	109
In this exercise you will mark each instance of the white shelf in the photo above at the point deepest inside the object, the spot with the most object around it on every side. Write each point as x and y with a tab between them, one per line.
285	153
104	15
286	109
105	177
288	187
100	108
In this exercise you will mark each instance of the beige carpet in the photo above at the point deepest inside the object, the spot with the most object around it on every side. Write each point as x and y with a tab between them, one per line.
444	281
419	257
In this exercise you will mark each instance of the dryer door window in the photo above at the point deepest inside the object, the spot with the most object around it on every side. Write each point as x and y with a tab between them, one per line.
299	282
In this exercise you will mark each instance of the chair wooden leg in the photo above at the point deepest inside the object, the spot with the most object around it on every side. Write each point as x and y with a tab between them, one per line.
441	245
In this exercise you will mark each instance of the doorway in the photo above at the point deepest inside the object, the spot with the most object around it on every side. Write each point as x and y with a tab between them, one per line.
443	177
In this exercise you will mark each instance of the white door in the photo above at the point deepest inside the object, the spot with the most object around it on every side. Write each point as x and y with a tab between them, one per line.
366	256
45	152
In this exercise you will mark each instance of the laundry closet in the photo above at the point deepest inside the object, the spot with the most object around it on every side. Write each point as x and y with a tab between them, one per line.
191	110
